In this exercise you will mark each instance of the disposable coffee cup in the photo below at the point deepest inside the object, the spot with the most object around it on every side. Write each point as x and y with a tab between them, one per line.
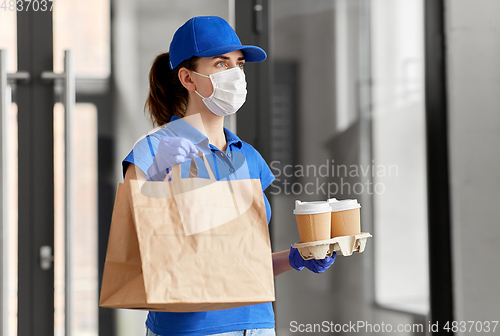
345	217
313	220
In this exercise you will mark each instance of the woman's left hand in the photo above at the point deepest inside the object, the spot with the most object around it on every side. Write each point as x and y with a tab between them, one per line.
315	265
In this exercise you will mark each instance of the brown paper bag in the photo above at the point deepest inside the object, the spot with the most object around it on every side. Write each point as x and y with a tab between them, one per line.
204	204
152	264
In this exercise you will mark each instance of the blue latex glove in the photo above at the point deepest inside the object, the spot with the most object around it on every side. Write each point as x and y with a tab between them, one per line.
171	151
315	265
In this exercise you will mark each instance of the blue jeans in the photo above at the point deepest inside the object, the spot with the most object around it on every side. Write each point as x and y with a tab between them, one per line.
248	332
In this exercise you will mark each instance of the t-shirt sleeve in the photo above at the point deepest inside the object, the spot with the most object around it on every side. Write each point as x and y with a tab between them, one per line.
266	175
142	154
266	178
268	208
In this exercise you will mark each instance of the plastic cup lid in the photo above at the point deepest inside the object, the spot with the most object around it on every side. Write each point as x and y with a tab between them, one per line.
344	205
306	208
332	200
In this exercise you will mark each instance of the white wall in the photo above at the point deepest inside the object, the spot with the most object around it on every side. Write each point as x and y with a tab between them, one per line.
473	73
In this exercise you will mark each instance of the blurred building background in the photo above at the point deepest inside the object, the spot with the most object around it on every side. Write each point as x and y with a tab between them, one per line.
392	102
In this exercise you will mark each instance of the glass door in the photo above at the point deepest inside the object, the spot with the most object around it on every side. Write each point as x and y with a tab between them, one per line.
55	70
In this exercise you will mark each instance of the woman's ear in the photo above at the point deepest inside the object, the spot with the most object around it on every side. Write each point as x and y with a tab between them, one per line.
185	77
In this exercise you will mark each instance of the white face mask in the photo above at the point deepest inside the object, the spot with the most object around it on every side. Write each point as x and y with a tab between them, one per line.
230	91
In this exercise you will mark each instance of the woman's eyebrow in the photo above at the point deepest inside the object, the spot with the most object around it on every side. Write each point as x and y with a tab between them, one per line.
241	58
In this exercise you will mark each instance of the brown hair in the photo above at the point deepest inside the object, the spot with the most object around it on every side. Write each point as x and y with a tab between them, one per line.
167	97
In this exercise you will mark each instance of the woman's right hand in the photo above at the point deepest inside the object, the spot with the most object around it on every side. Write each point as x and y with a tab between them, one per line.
171	151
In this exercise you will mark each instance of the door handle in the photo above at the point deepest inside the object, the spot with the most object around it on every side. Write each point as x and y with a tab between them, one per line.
5	106
46	257
67	79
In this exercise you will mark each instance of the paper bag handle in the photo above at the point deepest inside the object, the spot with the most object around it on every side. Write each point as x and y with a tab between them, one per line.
175	172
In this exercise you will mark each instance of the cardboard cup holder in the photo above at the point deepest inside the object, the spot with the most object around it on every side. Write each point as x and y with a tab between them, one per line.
344	245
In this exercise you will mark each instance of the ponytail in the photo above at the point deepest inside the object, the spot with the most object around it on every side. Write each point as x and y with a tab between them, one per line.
167	96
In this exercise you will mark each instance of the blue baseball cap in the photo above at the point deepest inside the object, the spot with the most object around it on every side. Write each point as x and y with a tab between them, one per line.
208	36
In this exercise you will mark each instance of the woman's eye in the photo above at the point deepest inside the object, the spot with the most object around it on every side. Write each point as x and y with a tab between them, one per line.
241	65
220	64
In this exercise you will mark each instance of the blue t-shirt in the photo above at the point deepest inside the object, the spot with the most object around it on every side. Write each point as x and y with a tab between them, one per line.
225	166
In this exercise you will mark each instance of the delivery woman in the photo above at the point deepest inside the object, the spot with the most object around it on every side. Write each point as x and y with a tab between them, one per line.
192	88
